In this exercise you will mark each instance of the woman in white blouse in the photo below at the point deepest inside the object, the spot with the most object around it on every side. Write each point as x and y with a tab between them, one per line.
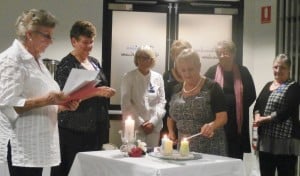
30	98
143	96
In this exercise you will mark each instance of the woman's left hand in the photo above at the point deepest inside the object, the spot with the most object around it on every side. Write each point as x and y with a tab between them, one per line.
69	106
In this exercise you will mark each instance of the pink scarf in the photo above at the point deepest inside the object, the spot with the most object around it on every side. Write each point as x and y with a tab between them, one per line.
238	92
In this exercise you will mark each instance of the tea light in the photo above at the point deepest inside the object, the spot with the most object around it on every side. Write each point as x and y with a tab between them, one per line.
129	129
184	147
166	145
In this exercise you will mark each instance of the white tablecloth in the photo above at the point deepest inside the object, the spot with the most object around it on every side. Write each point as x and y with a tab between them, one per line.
113	163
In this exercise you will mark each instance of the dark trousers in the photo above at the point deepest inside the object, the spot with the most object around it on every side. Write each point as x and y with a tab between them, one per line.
235	148
72	142
21	171
285	164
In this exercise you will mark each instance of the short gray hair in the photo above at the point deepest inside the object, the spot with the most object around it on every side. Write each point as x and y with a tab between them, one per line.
31	19
228	45
284	58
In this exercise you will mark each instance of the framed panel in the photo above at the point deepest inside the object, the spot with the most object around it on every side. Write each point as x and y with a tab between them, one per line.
203	31
130	30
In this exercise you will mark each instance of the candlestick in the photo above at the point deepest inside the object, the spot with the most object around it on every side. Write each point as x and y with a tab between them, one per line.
184	147
166	146
129	129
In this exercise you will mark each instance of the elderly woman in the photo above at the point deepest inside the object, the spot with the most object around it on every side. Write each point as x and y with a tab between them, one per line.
171	77
143	96
277	117
239	90
87	128
30	98
198	106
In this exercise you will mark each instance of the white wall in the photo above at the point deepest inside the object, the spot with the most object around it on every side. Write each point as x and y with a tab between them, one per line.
66	11
258	54
259	41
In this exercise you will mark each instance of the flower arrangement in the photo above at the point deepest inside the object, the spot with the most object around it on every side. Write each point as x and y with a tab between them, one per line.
139	150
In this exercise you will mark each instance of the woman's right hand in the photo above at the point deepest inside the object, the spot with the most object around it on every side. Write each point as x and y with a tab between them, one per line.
105	91
172	136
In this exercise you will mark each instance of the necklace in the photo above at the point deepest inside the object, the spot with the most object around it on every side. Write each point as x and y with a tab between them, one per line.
194	88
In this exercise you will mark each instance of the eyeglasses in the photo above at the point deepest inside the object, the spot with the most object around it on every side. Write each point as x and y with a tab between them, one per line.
47	36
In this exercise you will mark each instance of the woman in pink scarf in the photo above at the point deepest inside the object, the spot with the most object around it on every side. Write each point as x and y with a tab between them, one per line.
239	90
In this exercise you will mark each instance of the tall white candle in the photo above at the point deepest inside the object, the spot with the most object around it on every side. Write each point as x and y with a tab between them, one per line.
129	129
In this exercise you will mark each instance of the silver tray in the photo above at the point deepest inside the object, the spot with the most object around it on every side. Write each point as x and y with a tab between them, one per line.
176	156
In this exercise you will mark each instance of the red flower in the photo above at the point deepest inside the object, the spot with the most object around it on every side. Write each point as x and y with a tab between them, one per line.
136	152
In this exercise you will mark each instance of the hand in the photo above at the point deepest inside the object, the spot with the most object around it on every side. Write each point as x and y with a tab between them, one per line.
55	98
207	130
258	120
105	91
147	127
70	106
172	136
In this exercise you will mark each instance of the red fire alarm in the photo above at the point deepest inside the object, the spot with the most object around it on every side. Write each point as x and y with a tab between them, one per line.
265	14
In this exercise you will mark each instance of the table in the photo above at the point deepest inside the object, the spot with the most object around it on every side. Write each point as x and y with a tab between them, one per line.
113	163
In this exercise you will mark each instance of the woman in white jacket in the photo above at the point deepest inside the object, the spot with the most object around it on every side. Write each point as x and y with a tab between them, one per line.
143	96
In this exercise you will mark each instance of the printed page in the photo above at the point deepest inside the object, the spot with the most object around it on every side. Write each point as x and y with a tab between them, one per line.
79	78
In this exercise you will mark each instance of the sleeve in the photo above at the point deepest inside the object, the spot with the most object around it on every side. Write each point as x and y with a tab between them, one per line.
127	107
218	103
160	107
12	84
290	106
210	73
249	88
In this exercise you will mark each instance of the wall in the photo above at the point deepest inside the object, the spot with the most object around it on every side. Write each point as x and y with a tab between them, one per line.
258	54
66	11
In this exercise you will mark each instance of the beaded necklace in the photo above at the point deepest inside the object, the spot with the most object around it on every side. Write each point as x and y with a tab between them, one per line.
194	88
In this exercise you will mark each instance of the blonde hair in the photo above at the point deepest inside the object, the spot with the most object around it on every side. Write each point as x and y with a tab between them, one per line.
144	51
188	55
177	46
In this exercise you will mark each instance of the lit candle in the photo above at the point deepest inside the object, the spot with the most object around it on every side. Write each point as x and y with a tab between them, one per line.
129	129
184	147
166	145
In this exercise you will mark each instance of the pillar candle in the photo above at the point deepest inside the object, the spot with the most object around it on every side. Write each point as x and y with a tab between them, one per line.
166	146
129	129
184	147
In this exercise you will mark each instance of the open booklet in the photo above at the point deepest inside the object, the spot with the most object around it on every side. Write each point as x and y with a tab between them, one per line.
80	84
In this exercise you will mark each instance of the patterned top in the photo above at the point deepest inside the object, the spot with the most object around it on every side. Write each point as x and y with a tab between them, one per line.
34	140
281	134
193	112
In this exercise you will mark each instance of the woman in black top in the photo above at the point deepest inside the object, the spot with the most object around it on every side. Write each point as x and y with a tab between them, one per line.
239	90
277	117
87	128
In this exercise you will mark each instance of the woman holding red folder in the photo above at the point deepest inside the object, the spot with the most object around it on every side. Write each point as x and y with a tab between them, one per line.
87	128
